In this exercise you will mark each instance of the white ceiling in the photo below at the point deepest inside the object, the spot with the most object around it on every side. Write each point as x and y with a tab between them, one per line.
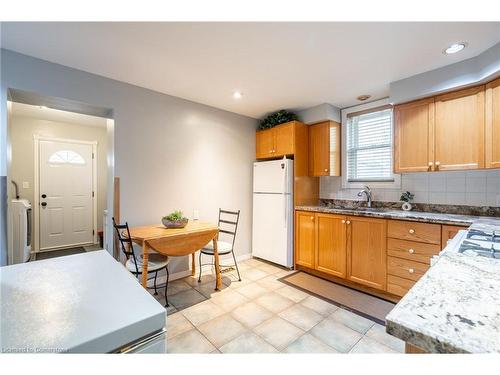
50	114
275	65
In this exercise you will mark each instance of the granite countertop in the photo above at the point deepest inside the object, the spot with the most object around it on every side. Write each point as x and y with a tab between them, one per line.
455	306
428	217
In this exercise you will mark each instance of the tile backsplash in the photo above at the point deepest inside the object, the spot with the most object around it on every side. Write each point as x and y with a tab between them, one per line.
472	188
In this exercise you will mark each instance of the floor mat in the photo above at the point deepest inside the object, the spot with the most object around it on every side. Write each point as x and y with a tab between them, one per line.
369	306
59	253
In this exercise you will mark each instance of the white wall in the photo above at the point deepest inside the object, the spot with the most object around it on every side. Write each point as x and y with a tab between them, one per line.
22	130
472	188
170	153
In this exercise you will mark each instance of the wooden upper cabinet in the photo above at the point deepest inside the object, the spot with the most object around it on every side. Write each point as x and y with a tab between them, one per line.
324	149
305	238
331	246
459	130
264	144
275	142
414	136
493	124
285	139
367	251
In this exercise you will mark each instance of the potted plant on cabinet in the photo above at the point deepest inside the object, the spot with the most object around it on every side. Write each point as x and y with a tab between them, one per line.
277	118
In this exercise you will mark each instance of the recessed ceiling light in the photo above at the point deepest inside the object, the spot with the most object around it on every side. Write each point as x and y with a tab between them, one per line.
454	48
363	97
237	95
43	107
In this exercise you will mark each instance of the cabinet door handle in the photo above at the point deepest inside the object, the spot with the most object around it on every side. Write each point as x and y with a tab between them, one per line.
343	221
411	251
326	170
312	217
437	164
348	222
411	231
430	165
411	270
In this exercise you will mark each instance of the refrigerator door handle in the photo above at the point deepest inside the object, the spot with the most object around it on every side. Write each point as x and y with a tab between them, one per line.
285	178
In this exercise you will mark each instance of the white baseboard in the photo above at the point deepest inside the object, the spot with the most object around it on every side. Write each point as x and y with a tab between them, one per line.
244	257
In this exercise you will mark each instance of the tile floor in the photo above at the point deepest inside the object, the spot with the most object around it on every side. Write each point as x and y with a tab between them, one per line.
263	315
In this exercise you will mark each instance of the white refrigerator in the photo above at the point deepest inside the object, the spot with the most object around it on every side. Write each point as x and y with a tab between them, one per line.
272	236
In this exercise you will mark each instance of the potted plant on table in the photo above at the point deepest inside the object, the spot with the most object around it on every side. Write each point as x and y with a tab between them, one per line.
175	220
406	198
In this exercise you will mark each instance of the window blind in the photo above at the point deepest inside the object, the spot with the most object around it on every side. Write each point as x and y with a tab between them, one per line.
369	146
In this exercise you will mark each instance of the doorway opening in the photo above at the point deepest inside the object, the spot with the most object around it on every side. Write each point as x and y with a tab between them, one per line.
59	192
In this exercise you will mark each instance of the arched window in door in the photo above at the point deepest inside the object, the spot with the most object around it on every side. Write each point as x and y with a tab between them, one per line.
66	157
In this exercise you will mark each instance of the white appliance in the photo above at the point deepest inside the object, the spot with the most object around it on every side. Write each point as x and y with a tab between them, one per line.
272	237
21	231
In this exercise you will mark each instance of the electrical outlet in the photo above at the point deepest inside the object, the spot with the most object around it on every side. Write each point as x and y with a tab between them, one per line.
196	215
26	185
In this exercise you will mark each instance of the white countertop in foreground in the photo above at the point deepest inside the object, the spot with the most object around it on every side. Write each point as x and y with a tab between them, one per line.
84	303
455	306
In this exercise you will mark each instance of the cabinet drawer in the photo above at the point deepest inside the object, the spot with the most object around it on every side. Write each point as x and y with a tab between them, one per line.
399	286
420	232
406	268
416	251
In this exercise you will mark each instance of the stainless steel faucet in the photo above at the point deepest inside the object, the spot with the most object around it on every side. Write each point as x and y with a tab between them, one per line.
366	190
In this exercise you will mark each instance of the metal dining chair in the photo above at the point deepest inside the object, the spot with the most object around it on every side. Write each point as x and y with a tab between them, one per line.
228	225
156	262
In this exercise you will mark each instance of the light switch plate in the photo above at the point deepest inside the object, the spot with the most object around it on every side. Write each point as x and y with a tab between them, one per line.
196	215
26	185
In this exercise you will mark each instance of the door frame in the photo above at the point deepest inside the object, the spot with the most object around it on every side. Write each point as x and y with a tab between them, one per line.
36	185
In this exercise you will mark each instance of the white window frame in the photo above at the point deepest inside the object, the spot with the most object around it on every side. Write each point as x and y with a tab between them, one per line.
396	184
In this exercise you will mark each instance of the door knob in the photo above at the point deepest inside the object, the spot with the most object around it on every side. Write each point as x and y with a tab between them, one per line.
411	251
412	231
411	270
44	204
44	195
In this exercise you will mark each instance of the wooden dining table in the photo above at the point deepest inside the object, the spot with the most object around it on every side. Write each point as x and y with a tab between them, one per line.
176	242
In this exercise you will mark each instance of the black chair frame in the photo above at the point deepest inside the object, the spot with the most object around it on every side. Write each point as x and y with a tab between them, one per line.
228	232
127	247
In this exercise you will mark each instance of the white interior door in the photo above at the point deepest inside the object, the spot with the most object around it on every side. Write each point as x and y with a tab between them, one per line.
66	202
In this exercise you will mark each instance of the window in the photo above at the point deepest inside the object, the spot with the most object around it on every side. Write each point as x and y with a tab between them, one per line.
369	146
66	157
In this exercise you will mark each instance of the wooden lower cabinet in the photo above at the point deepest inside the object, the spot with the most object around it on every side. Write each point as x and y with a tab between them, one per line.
382	256
331	244
367	251
448	232
399	286
305	242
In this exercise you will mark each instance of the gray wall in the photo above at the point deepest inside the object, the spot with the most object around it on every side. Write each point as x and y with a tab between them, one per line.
319	113
170	153
476	70
21	131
